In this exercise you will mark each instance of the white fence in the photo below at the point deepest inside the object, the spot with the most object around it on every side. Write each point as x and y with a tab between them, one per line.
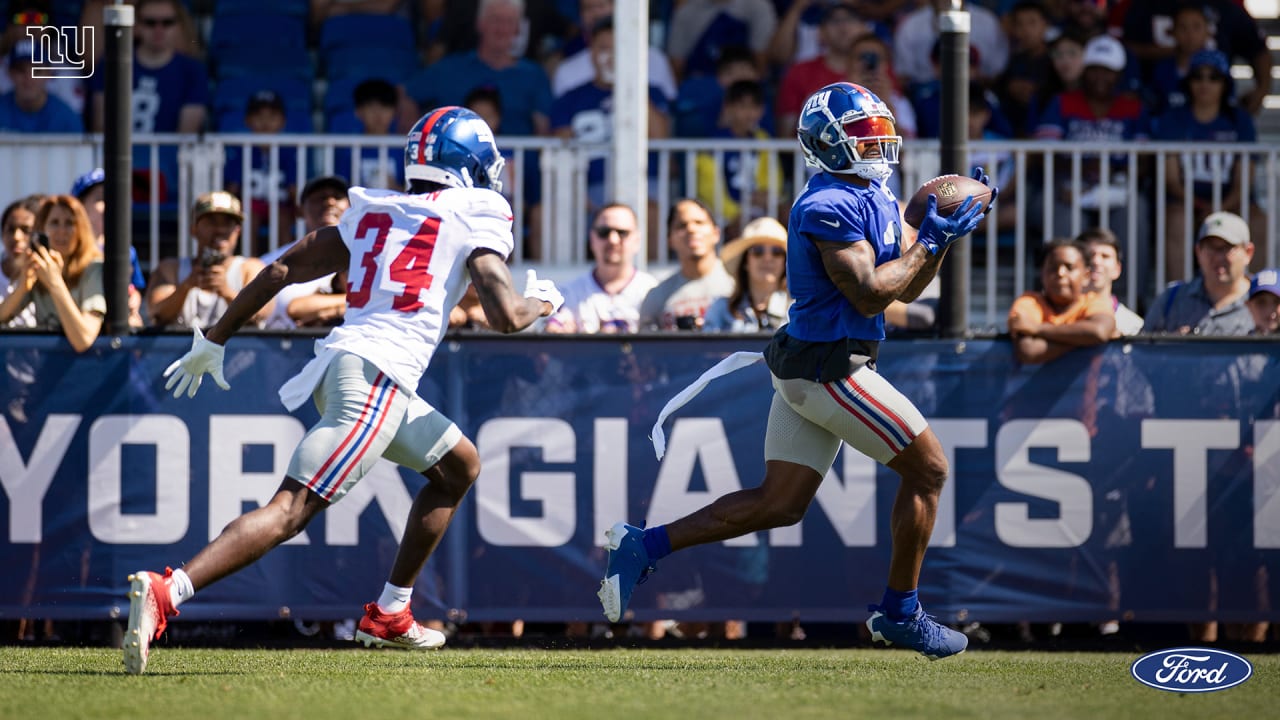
1136	204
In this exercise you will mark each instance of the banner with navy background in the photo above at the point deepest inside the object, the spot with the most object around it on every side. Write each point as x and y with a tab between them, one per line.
1119	483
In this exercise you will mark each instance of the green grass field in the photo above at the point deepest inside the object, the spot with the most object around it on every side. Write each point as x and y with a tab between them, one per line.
39	683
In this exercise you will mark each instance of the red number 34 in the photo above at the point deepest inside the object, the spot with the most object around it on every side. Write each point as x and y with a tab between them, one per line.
409	267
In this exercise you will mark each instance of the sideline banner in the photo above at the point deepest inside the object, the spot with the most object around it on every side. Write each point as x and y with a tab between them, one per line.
1124	482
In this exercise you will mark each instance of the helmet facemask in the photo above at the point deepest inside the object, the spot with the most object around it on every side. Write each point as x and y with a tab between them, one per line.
858	145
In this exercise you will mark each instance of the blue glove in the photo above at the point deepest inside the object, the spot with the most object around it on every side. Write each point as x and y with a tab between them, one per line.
936	233
981	176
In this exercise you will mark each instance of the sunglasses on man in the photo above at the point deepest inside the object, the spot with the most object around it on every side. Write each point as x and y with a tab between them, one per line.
604	232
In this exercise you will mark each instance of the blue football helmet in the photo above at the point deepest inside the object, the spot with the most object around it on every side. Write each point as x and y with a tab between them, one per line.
845	129
454	147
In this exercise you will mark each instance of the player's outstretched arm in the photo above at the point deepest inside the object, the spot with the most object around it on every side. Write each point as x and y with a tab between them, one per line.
316	255
506	310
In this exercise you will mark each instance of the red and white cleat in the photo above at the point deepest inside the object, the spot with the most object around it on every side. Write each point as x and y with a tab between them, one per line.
149	611
398	630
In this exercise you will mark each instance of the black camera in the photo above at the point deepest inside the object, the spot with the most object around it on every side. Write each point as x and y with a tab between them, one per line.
39	238
870	61
210	257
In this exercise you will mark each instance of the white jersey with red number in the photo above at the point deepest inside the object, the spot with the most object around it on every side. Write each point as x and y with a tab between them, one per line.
408	269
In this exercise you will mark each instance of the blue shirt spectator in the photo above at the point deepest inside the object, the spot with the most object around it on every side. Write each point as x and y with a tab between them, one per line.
30	107
523	85
700	30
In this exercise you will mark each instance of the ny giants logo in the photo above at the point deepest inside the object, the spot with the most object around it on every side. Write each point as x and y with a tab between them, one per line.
1191	670
65	52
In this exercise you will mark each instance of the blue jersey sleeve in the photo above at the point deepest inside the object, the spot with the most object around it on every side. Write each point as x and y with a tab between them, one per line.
823	218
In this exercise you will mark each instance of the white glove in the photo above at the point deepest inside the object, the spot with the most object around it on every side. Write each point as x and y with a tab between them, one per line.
544	290
188	371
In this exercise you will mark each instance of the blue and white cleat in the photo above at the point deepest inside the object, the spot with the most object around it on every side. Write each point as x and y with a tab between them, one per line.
629	566
919	632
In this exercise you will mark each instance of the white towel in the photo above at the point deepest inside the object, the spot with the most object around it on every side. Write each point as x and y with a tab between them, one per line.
298	389
733	363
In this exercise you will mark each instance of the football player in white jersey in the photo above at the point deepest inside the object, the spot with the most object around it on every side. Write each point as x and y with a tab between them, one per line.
409	258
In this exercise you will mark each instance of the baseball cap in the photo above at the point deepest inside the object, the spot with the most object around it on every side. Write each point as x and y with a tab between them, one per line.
87	181
1212	59
21	53
336	182
218	201
264	99
1105	51
1265	281
1228	226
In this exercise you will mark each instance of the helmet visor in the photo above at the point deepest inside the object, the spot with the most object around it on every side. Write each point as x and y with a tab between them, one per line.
873	138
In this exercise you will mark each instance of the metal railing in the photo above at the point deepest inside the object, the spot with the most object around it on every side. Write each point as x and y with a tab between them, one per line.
554	176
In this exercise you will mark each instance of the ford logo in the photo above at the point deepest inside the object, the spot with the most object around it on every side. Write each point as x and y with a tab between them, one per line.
1191	670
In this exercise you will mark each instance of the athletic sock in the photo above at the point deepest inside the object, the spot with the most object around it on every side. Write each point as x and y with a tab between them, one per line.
180	588
656	542
899	606
394	598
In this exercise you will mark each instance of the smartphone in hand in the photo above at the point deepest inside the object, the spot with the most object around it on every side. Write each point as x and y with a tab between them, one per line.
39	239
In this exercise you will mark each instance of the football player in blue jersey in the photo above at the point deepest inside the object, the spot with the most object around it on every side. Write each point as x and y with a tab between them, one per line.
845	264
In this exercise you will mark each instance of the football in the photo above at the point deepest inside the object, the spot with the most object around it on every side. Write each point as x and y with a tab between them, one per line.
951	191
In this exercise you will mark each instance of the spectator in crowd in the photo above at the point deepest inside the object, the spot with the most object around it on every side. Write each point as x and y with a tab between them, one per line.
321	302
1214	302
16	225
1047	324
27	14
29	107
987	122
758	263
192	293
697	111
1066	58
917	31
1098	112
1144	26
525	89
322	10
170	88
585	114
870	65
376	167
1190	36
738	181
680	302
1209	116
1102	257
799	35
699	30
1084	18
62	276
1029	66
265	114
926	99
1264	302
541	27
90	190
840	26
578	69
607	298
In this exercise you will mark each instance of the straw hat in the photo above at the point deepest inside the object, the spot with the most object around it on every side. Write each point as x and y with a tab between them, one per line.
761	231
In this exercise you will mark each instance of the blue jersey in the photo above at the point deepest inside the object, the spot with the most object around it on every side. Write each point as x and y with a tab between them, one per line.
836	211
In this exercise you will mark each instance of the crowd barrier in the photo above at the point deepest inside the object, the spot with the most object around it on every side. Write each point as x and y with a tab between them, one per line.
554	176
1126	482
